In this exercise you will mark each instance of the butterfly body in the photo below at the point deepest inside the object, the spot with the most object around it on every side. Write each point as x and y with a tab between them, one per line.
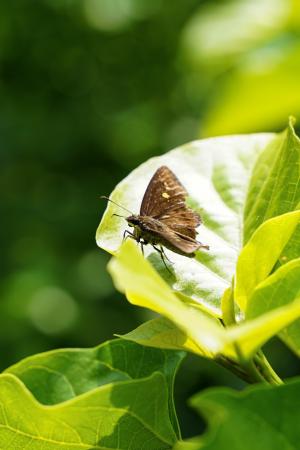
164	219
151	231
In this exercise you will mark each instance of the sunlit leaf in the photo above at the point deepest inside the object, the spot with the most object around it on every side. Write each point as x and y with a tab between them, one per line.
130	413
260	254
143	286
77	398
216	174
198	332
275	184
281	288
161	333
260	418
220	32
263	89
245	338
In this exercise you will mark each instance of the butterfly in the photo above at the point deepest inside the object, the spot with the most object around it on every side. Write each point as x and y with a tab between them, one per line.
164	219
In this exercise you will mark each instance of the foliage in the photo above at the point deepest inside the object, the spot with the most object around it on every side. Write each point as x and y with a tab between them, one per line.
94	398
261	418
120	394
88	91
263	298
249	65
216	174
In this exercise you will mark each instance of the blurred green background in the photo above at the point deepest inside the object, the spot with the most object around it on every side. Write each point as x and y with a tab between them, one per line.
88	90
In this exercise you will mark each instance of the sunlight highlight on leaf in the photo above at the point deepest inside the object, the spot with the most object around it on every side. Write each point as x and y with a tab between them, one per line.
260	254
281	288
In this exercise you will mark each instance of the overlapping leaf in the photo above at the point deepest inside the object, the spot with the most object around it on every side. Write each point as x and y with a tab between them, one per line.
281	288
261	253
196	331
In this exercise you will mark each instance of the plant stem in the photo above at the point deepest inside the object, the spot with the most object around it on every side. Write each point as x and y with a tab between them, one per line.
266	369
245	372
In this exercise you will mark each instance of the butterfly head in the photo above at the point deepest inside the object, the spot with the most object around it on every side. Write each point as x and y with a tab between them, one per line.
133	220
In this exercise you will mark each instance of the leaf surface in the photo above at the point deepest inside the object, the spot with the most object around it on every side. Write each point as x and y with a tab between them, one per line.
216	174
281	288
275	186
261	253
250	89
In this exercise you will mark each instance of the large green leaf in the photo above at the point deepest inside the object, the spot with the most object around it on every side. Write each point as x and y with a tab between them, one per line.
260	254
216	174
117	395
129	414
260	418
281	288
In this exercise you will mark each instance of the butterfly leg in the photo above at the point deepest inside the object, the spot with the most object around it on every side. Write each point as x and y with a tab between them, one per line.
163	256
128	234
164	253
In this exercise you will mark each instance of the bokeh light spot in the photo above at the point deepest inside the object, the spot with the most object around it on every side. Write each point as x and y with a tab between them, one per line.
93	278
52	310
109	14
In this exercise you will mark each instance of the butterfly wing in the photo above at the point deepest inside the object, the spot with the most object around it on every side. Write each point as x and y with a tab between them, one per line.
162	234
164	191
180	242
164	200
183	221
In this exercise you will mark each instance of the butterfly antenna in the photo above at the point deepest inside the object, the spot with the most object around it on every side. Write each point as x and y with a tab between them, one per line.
120	206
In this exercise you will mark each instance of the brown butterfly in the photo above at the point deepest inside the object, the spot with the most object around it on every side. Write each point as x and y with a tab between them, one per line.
164	219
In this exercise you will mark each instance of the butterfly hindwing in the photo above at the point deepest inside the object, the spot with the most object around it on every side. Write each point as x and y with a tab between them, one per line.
182	242
183	221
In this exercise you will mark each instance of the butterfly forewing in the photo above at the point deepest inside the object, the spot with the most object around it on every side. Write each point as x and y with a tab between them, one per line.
164	200
164	192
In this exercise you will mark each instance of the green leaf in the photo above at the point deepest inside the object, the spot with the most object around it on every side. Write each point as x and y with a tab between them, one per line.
260	418
263	88
91	397
279	289
216	174
198	332
161	333
134	275
245	338
275	184
129	414
260	254
220	32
